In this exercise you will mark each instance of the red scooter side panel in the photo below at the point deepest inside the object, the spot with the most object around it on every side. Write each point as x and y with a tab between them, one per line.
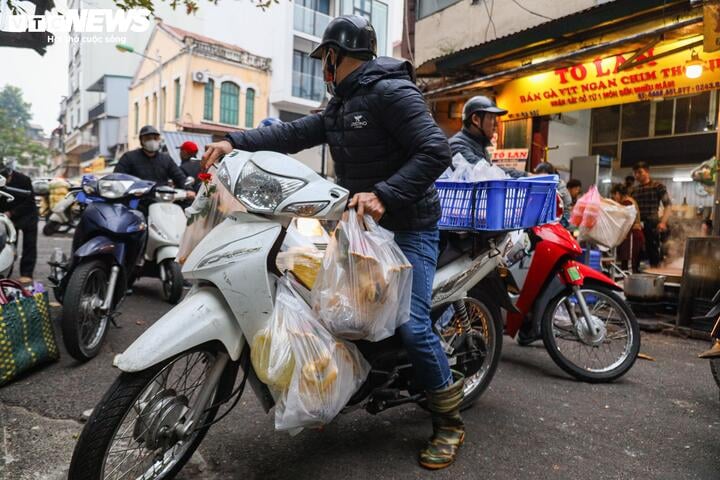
591	273
558	235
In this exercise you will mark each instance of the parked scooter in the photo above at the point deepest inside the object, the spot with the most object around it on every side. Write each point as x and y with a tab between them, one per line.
183	368
166	222
107	247
587	328
8	234
65	215
714	353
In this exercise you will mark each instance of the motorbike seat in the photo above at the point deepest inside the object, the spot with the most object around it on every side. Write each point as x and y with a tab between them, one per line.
453	245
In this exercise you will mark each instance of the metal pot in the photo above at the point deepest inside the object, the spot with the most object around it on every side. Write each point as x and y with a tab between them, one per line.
642	286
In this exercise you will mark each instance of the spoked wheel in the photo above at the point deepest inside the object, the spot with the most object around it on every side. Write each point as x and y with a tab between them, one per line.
487	325
172	281
602	353
139	429
84	324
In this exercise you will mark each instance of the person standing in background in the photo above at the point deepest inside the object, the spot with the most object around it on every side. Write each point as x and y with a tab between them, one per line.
649	194
190	165
630	184
574	187
546	168
628	252
23	213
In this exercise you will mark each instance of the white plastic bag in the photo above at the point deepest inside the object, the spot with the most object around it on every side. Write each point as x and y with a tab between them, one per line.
300	253
363	290
311	374
612	224
484	171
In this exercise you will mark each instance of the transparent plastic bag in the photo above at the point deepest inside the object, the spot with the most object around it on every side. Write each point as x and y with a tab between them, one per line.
612	224
363	290
586	209
300	253
325	371
211	205
462	169
483	171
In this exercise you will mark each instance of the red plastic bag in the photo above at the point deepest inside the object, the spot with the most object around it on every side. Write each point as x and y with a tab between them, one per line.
587	209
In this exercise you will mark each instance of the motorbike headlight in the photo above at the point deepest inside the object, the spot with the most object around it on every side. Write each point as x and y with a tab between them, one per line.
165	196
113	188
261	191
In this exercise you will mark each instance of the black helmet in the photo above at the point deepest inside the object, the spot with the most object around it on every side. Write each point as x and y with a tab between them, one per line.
480	104
148	130
350	34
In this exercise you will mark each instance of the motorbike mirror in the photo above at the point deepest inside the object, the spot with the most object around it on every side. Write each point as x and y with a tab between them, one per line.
189	181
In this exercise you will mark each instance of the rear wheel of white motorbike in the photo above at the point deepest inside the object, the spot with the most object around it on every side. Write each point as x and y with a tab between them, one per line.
50	228
136	429
487	322
602	355
172	281
84	324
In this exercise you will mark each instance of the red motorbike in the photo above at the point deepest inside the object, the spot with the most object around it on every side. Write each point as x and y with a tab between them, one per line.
587	328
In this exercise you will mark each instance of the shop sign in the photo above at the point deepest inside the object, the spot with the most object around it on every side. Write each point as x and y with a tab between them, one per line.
510	158
95	165
599	83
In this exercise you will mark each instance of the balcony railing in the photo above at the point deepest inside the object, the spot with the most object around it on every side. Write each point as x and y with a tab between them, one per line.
97	110
80	142
310	21
308	86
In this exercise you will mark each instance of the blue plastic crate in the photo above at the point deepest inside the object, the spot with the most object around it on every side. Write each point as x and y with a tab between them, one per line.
497	204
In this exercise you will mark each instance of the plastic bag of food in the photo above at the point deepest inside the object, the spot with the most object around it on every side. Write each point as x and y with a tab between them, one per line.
586	209
461	169
612	224
211	205
363	290
312	374
303	250
705	173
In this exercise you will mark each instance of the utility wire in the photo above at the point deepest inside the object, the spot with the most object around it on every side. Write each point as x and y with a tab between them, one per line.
490	18
530	11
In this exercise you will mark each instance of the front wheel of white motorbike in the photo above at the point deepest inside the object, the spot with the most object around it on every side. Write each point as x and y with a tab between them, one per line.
134	432
172	282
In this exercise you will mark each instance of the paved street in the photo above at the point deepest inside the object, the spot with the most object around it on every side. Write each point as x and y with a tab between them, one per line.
659	422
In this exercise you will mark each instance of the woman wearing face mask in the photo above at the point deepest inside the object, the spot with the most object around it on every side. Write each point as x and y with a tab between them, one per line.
149	163
388	151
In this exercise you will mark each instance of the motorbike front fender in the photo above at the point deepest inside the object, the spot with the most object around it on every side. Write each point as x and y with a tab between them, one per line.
168	251
101	245
203	316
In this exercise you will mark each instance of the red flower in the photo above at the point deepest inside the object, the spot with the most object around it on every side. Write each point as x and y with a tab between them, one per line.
204	177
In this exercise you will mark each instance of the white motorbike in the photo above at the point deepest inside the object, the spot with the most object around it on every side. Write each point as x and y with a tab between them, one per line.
65	215
8	237
166	225
176	376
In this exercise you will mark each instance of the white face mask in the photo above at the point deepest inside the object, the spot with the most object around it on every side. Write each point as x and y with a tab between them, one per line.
151	145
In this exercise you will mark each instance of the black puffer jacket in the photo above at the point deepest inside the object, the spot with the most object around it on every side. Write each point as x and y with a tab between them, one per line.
473	148
382	139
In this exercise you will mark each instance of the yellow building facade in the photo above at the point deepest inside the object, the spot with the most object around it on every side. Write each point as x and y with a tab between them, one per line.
203	86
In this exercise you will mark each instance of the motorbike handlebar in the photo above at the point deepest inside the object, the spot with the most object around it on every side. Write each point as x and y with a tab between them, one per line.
17	191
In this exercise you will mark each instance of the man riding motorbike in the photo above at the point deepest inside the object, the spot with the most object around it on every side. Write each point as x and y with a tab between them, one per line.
479	119
388	151
149	163
480	123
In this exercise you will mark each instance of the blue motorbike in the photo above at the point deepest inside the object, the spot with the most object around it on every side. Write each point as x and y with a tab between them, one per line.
107	248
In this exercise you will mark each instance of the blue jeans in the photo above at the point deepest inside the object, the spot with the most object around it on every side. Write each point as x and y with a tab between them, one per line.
432	371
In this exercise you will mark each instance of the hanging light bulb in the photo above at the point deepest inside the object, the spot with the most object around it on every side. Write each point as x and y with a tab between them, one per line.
694	66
